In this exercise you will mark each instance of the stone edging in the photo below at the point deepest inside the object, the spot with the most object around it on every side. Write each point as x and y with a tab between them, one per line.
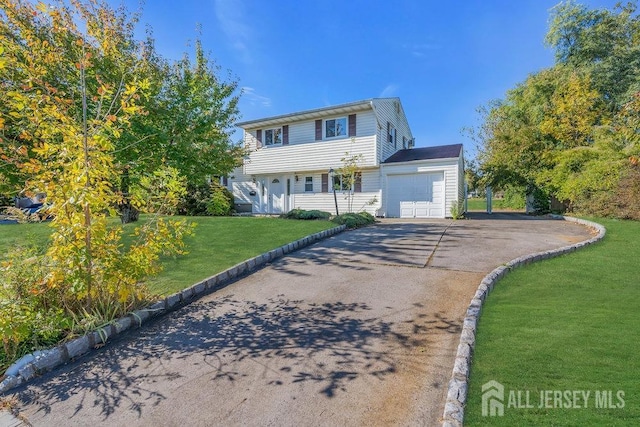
453	415
39	362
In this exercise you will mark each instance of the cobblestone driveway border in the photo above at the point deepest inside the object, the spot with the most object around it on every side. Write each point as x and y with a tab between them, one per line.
40	362
453	415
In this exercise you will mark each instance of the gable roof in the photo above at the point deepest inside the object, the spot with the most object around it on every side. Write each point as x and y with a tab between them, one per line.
316	113
426	153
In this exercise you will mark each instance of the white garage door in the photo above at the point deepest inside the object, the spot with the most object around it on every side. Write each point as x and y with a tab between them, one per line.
418	195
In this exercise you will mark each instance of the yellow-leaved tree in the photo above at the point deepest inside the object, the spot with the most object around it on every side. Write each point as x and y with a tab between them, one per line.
70	82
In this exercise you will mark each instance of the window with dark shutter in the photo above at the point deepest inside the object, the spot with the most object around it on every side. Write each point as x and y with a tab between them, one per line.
357	185
325	182
259	138
285	134
352	125
318	130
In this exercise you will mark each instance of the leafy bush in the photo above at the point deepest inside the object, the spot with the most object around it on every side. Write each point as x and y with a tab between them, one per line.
221	201
206	200
354	220
622	202
540	200
307	215
514	198
28	317
457	208
194	203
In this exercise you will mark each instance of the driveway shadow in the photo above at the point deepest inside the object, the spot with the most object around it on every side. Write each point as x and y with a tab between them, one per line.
221	341
395	244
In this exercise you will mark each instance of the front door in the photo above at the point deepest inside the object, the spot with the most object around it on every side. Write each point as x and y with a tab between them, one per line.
276	196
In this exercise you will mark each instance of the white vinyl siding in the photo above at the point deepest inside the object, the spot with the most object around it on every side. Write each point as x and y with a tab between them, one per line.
303	153
242	186
390	111
303	132
325	202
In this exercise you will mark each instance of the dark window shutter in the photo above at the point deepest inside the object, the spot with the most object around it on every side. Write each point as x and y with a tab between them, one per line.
225	181
325	182
318	130
285	134
388	132
259	138
352	125
357	185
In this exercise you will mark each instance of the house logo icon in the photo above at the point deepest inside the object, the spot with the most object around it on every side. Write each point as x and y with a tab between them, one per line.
492	399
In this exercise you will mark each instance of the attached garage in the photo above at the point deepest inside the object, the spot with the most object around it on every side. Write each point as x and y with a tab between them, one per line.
423	182
419	195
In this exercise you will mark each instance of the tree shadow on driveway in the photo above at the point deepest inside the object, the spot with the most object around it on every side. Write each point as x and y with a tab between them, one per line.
395	244
326	346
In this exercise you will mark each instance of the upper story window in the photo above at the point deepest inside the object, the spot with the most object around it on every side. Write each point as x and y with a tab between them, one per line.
273	136
335	127
404	142
391	132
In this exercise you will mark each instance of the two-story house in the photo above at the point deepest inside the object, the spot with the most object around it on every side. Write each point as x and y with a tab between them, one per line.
294	158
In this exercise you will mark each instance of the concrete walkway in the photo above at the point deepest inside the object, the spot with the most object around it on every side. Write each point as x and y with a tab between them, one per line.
360	329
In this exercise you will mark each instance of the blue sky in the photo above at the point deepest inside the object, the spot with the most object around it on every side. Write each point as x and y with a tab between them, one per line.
442	58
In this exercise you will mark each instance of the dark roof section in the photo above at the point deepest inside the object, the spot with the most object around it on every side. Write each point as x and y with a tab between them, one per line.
426	153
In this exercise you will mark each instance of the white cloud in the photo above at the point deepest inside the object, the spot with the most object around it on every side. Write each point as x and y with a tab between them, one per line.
420	50
249	94
389	91
231	17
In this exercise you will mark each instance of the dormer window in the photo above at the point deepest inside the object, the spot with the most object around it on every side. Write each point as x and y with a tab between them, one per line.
273	136
335	127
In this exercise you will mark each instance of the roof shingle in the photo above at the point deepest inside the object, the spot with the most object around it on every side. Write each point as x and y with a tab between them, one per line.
426	153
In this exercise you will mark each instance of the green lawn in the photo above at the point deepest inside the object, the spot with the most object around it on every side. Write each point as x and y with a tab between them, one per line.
476	204
566	324
218	243
480	204
222	242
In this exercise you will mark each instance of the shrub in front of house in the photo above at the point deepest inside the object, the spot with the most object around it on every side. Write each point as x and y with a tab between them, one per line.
221	201
206	200
307	215
354	220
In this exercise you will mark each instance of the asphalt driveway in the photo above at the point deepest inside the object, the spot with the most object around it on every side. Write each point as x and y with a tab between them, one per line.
359	329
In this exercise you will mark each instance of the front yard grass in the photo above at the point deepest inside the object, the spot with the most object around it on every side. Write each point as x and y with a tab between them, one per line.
475	204
570	323
222	242
218	243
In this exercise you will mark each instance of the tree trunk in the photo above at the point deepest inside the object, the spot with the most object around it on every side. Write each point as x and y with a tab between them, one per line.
128	213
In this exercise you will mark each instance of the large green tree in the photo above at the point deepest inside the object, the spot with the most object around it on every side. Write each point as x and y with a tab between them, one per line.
566	130
190	112
603	43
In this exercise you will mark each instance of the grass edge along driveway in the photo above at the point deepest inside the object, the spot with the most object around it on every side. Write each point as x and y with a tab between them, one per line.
561	337
219	243
222	242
